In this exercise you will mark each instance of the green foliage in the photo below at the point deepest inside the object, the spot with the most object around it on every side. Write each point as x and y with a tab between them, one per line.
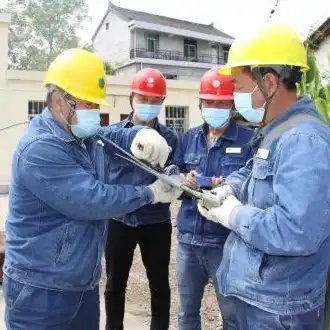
110	68
311	84
41	29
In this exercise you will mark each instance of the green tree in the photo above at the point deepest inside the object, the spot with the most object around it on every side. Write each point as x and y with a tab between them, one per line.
110	69
41	29
311	84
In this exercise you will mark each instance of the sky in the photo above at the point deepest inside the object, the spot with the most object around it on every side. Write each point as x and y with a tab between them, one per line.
235	17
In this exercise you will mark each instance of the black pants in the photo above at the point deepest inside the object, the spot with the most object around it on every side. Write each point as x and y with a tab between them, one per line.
155	245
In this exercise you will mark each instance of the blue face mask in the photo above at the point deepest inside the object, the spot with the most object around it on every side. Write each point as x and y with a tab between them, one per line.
147	112
216	118
243	104
88	123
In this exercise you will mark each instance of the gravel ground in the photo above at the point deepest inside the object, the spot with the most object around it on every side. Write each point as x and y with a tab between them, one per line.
138	297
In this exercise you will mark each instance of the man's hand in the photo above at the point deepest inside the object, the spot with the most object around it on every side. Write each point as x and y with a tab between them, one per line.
190	180
216	182
221	214
150	146
163	192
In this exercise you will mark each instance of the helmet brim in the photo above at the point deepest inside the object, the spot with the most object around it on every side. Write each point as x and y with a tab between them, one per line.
216	97
136	91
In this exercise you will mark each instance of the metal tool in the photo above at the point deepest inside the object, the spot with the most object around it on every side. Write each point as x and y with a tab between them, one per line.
207	198
13	125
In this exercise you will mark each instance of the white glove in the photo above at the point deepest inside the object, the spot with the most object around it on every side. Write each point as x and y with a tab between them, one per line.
150	146
222	192
221	214
163	192
216	196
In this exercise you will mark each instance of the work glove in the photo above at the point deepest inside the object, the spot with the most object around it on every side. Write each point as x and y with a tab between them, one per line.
216	195
150	146
220	214
163	192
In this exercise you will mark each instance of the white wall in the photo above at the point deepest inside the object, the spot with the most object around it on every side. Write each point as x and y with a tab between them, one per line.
321	56
113	45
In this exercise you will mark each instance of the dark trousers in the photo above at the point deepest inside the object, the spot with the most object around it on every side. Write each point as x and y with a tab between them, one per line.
155	245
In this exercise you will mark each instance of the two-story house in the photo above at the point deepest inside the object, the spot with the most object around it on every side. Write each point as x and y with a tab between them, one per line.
179	49
319	43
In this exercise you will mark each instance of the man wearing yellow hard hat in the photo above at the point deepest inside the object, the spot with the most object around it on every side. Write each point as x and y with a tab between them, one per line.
59	203
275	260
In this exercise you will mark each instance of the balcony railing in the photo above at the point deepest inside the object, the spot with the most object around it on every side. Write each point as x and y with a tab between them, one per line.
177	56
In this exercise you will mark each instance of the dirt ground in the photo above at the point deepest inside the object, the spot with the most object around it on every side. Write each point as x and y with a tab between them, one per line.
138	297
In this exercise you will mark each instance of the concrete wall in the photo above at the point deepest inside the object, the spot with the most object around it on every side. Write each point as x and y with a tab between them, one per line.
113	45
322	58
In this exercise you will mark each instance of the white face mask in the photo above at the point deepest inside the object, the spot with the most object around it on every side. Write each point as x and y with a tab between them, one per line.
215	117
88	121
243	104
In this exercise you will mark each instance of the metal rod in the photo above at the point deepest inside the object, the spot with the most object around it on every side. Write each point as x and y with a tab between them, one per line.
13	125
206	198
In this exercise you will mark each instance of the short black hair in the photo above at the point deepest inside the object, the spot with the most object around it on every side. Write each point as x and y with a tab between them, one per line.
289	75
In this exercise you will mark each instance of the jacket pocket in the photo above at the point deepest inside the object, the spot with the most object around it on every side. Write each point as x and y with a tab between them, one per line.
231	164
15	293
192	162
261	185
63	245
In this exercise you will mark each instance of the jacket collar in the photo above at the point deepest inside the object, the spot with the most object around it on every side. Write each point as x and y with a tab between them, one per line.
230	134
303	105
55	127
127	122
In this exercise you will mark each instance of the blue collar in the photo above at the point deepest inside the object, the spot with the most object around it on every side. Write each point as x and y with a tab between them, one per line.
230	134
55	127
303	105
127	122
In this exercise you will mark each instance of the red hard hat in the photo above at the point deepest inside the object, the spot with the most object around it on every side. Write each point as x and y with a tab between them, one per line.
149	82
214	86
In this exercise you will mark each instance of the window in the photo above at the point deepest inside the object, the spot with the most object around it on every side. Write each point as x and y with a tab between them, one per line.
35	108
104	119
123	116
152	41
107	25
176	118
225	53
151	45
190	48
171	76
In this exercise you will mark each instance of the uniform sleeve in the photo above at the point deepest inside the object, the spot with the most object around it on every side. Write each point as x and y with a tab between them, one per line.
178	158
119	135
173	143
51	174
237	178
298	221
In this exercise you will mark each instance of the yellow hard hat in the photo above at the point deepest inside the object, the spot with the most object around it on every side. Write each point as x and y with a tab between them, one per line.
80	74
274	44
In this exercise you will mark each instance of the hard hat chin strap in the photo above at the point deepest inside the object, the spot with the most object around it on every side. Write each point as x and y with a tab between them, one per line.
72	111
262	87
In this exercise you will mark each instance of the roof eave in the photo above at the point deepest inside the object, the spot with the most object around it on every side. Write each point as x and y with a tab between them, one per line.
181	32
